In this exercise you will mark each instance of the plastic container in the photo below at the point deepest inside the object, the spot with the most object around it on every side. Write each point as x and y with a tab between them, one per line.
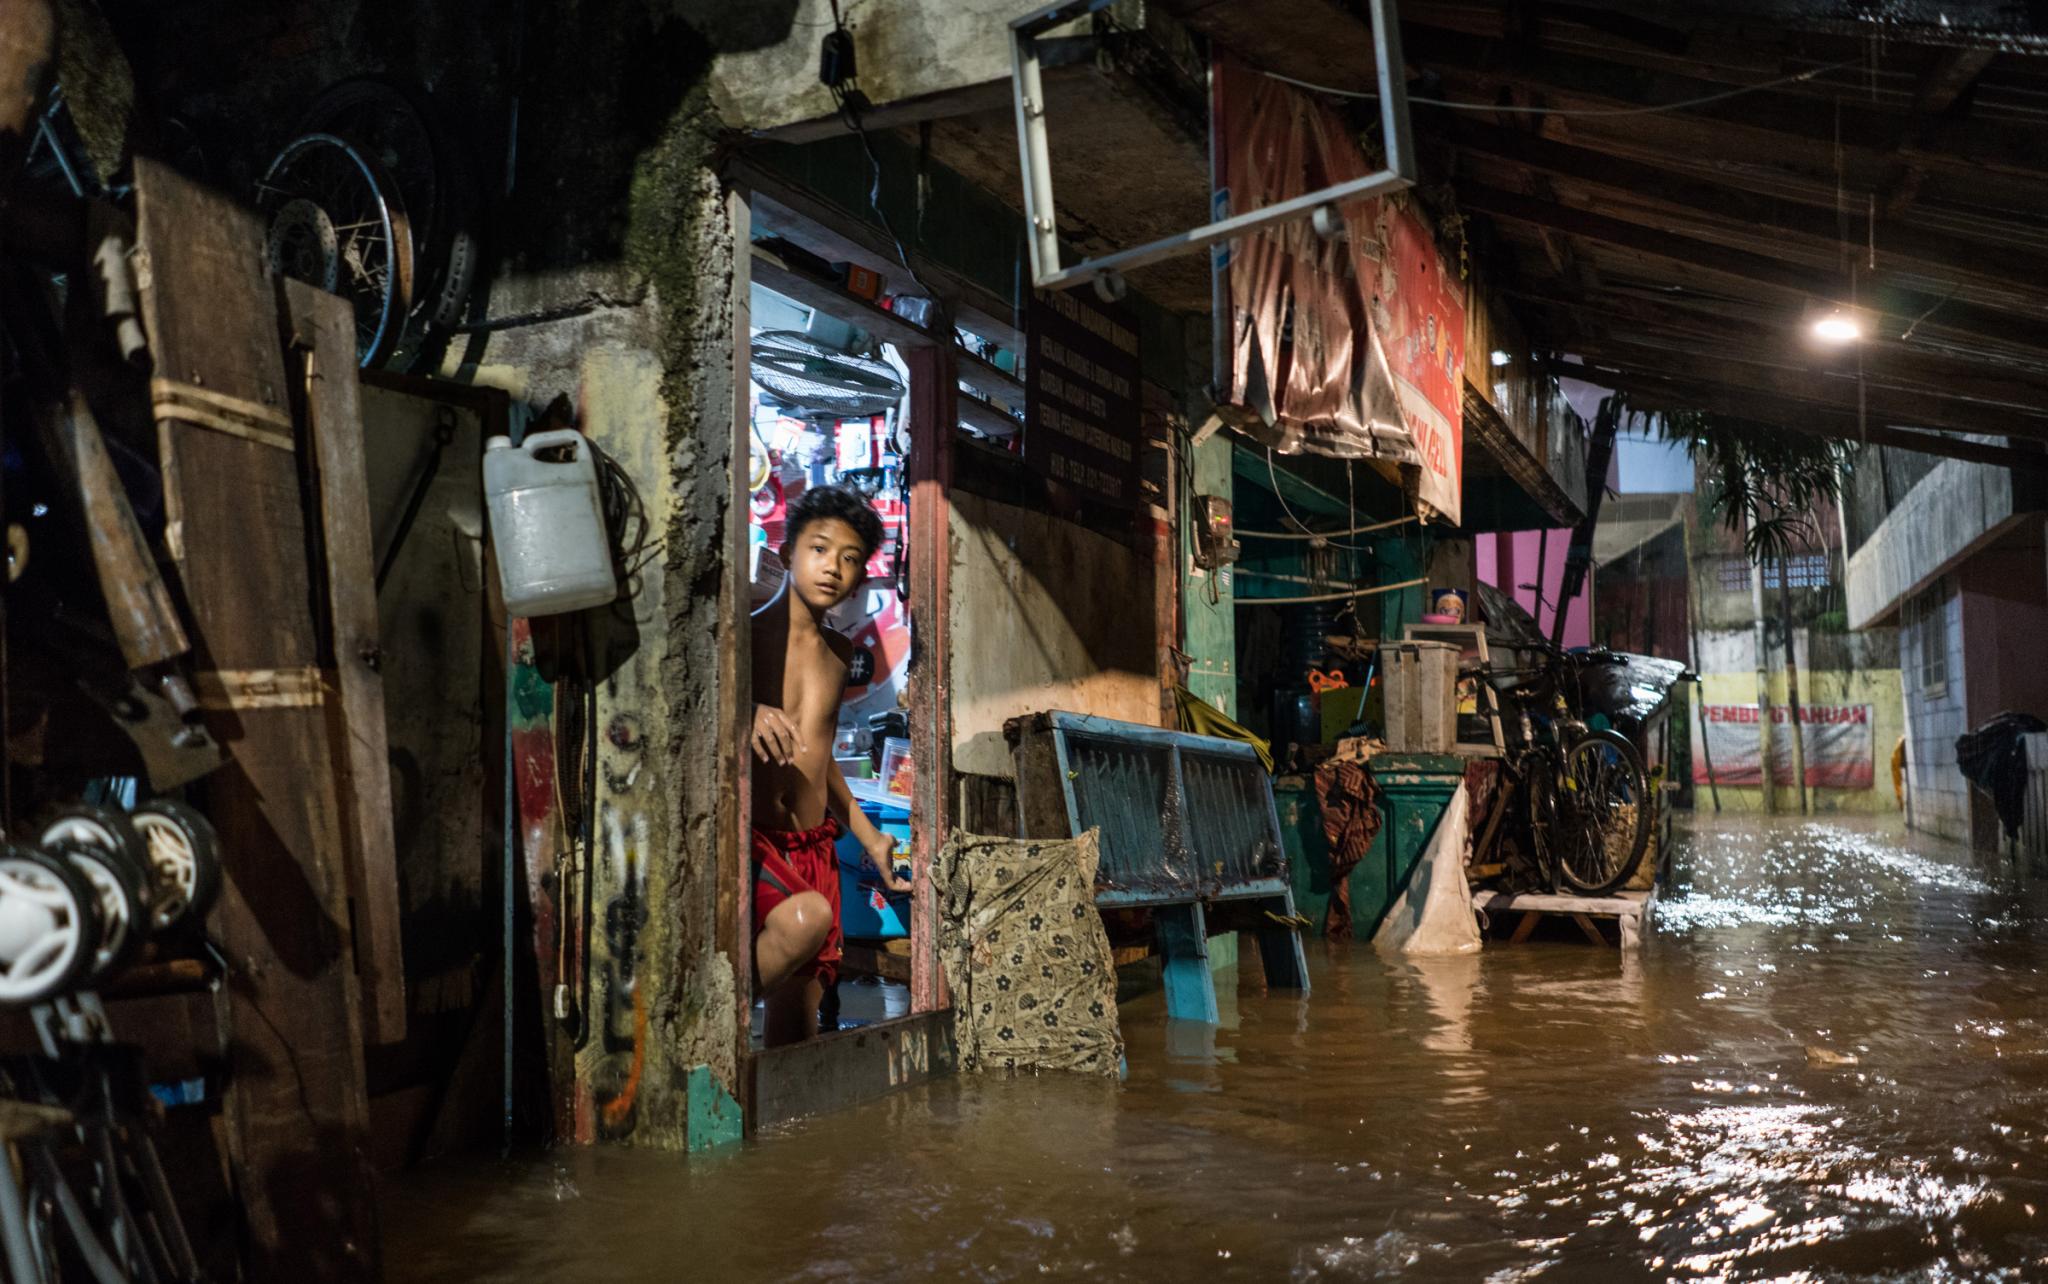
547	523
866	912
895	1000
898	772
1421	684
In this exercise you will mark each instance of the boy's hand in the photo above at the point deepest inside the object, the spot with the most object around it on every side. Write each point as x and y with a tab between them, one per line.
881	849
775	736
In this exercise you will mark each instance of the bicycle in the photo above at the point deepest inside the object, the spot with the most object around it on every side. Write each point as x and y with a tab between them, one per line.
1585	795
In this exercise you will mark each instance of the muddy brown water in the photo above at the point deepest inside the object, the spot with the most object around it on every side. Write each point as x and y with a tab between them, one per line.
1829	1062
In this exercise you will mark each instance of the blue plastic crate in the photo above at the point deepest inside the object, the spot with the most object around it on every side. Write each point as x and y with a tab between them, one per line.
865	910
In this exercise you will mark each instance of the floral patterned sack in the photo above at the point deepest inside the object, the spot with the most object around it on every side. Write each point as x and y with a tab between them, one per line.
1034	986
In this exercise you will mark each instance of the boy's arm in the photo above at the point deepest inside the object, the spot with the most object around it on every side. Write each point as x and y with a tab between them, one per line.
881	848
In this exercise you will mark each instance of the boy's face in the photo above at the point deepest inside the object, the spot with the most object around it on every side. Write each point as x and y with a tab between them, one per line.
827	562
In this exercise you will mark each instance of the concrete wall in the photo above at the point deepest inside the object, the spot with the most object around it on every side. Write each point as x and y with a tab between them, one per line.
1510	559
1728	676
1046	614
768	76
1940	797
1953	510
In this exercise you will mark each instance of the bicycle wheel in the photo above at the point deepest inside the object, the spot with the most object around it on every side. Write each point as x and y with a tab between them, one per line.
1603	813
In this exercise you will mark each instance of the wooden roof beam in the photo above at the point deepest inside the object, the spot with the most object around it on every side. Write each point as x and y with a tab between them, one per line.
1696	327
1954	71
1884	402
1647	393
1914	249
1787	280
1807	118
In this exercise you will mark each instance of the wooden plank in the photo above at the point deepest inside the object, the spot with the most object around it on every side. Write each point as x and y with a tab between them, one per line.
875	959
934	396
324	329
1614	906
838	1070
1526	927
296	1120
734	932
1592	933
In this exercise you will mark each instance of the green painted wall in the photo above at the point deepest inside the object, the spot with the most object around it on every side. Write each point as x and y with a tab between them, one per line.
1211	624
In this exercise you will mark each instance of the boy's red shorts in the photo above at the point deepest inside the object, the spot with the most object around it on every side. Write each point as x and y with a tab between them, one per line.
788	862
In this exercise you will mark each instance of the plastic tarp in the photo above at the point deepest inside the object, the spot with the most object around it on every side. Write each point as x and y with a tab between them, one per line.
1994	758
1026	957
1434	912
1350	346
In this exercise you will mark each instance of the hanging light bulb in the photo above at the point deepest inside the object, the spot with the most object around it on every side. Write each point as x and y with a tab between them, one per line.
1837	327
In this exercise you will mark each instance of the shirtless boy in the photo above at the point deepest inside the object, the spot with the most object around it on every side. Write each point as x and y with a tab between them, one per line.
800	799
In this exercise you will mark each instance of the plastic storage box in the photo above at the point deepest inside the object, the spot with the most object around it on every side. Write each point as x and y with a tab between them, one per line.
866	912
1421	684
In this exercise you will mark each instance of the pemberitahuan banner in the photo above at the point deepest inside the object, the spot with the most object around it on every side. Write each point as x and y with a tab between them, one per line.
1838	739
1352	344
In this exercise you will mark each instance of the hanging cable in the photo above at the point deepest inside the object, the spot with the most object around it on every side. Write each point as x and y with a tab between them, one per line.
1367	529
1328	597
1650	110
850	101
1274	475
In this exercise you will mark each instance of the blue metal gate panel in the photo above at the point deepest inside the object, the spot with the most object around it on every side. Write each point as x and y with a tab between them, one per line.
1182	817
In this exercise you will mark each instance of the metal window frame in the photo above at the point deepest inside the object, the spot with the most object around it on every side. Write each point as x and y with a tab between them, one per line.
1027	90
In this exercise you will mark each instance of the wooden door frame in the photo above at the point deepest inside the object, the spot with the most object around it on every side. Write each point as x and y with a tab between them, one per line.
933	417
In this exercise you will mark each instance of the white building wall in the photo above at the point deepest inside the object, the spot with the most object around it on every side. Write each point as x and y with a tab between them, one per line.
1939	801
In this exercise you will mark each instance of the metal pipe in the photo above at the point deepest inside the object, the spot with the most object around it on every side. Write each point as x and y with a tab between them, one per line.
21	1264
1792	682
1763	684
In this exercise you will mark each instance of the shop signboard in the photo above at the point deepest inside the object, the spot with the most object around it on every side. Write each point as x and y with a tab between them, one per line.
1081	394
1344	339
1839	741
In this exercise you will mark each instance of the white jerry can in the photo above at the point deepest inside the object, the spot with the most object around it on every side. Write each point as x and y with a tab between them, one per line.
547	523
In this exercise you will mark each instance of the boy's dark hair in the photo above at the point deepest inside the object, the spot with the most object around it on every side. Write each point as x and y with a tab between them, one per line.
823	503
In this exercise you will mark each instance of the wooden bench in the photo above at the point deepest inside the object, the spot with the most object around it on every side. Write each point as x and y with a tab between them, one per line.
1631	914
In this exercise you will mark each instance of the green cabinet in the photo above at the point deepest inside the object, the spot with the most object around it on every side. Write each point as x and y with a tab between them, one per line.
1414	791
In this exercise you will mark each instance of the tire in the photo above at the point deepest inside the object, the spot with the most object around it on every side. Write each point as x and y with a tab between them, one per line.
104	846
184	853
121	887
1604	811
49	926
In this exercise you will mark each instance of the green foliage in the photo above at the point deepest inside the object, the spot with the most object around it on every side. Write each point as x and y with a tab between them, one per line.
1765	478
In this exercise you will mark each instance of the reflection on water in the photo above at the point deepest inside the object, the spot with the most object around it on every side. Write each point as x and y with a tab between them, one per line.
1830	1061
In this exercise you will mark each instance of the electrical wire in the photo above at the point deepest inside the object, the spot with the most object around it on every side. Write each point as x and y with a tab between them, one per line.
1510	109
1274	475
849	111
1328	597
1355	530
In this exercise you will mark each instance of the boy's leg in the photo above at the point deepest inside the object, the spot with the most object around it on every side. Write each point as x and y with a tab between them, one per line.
790	937
793	1011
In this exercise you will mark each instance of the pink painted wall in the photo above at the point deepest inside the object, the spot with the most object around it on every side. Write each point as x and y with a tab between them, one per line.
1509	559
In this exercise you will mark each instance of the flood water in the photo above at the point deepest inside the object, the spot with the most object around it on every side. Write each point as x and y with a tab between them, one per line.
1830	1061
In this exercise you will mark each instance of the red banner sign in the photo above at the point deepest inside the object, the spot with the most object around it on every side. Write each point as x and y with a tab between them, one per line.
1838	739
1350	345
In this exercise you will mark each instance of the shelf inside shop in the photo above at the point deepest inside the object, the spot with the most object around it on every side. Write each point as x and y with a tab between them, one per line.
989	381
829	296
837	300
986	419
